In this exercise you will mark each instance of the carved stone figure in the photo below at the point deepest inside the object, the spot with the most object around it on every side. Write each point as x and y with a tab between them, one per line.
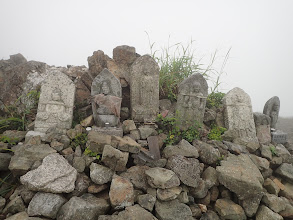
272	108
106	99
55	109
144	89
239	120
191	100
262	126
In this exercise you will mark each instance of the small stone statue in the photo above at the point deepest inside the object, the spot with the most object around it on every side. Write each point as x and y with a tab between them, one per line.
106	99
271	109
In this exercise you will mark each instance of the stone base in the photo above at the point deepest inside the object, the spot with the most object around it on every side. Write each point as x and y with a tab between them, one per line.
33	134
109	131
279	137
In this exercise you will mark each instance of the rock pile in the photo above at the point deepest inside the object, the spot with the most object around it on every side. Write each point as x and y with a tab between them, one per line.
91	174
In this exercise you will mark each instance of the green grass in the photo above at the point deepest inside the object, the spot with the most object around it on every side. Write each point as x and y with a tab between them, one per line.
177	62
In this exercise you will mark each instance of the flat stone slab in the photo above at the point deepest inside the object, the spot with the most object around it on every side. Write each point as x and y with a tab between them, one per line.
162	178
54	175
240	175
115	131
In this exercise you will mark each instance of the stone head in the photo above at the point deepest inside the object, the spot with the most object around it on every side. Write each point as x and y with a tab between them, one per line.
56	95
196	87
105	88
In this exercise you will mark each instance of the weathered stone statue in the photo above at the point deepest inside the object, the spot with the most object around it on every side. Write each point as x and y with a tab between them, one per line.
239	120
262	126
271	109
55	109
191	100
144	89
106	99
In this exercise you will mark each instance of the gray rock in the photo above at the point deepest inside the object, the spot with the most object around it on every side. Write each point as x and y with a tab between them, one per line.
115	159
275	203
14	206
263	128
100	174
86	207
210	176
146	131
4	161
191	101
283	153
168	194
162	178
207	153
251	204
184	148
261	163
45	204
144	89
55	109
264	213
137	176
235	148
164	104
54	175
128	126
287	190
210	215
239	119
200	191
3	202
229	210
81	185
135	213
115	131
27	155
121	192
146	201
271	186
79	164
97	141
187	169
266	152
106	95
240	175
271	109
126	144
172	210
17	136
285	171
19	216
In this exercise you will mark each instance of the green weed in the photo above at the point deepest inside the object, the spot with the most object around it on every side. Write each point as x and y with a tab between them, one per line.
215	99
5	139
90	153
79	140
5	186
273	150
216	132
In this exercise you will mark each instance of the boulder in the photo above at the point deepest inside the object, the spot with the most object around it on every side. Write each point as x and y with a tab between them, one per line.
162	178
100	174
137	176
135	213
55	175
229	210
264	213
184	148
86	207
45	204
121	192
240	175
4	161
146	201
115	159
168	194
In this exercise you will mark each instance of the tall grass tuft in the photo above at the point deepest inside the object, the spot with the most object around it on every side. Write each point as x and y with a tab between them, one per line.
178	62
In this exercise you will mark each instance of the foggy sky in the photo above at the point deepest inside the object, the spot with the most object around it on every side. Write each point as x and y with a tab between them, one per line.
260	34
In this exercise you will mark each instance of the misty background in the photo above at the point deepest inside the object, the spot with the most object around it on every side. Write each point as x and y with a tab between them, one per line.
259	34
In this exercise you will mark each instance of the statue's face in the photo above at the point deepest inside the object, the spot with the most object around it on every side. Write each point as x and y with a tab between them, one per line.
196	88
105	88
276	108
56	96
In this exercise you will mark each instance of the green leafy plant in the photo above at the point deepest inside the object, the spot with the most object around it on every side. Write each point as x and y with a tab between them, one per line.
216	132
79	140
8	140
90	153
273	150
174	134
215	99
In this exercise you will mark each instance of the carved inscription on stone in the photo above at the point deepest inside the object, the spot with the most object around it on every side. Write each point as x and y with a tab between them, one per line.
144	89
55	109
262	125
191	100
106	99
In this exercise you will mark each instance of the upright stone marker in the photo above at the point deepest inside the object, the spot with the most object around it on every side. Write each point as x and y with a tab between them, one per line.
271	109
191	101
55	109
106	94
262	125
144	89
239	120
